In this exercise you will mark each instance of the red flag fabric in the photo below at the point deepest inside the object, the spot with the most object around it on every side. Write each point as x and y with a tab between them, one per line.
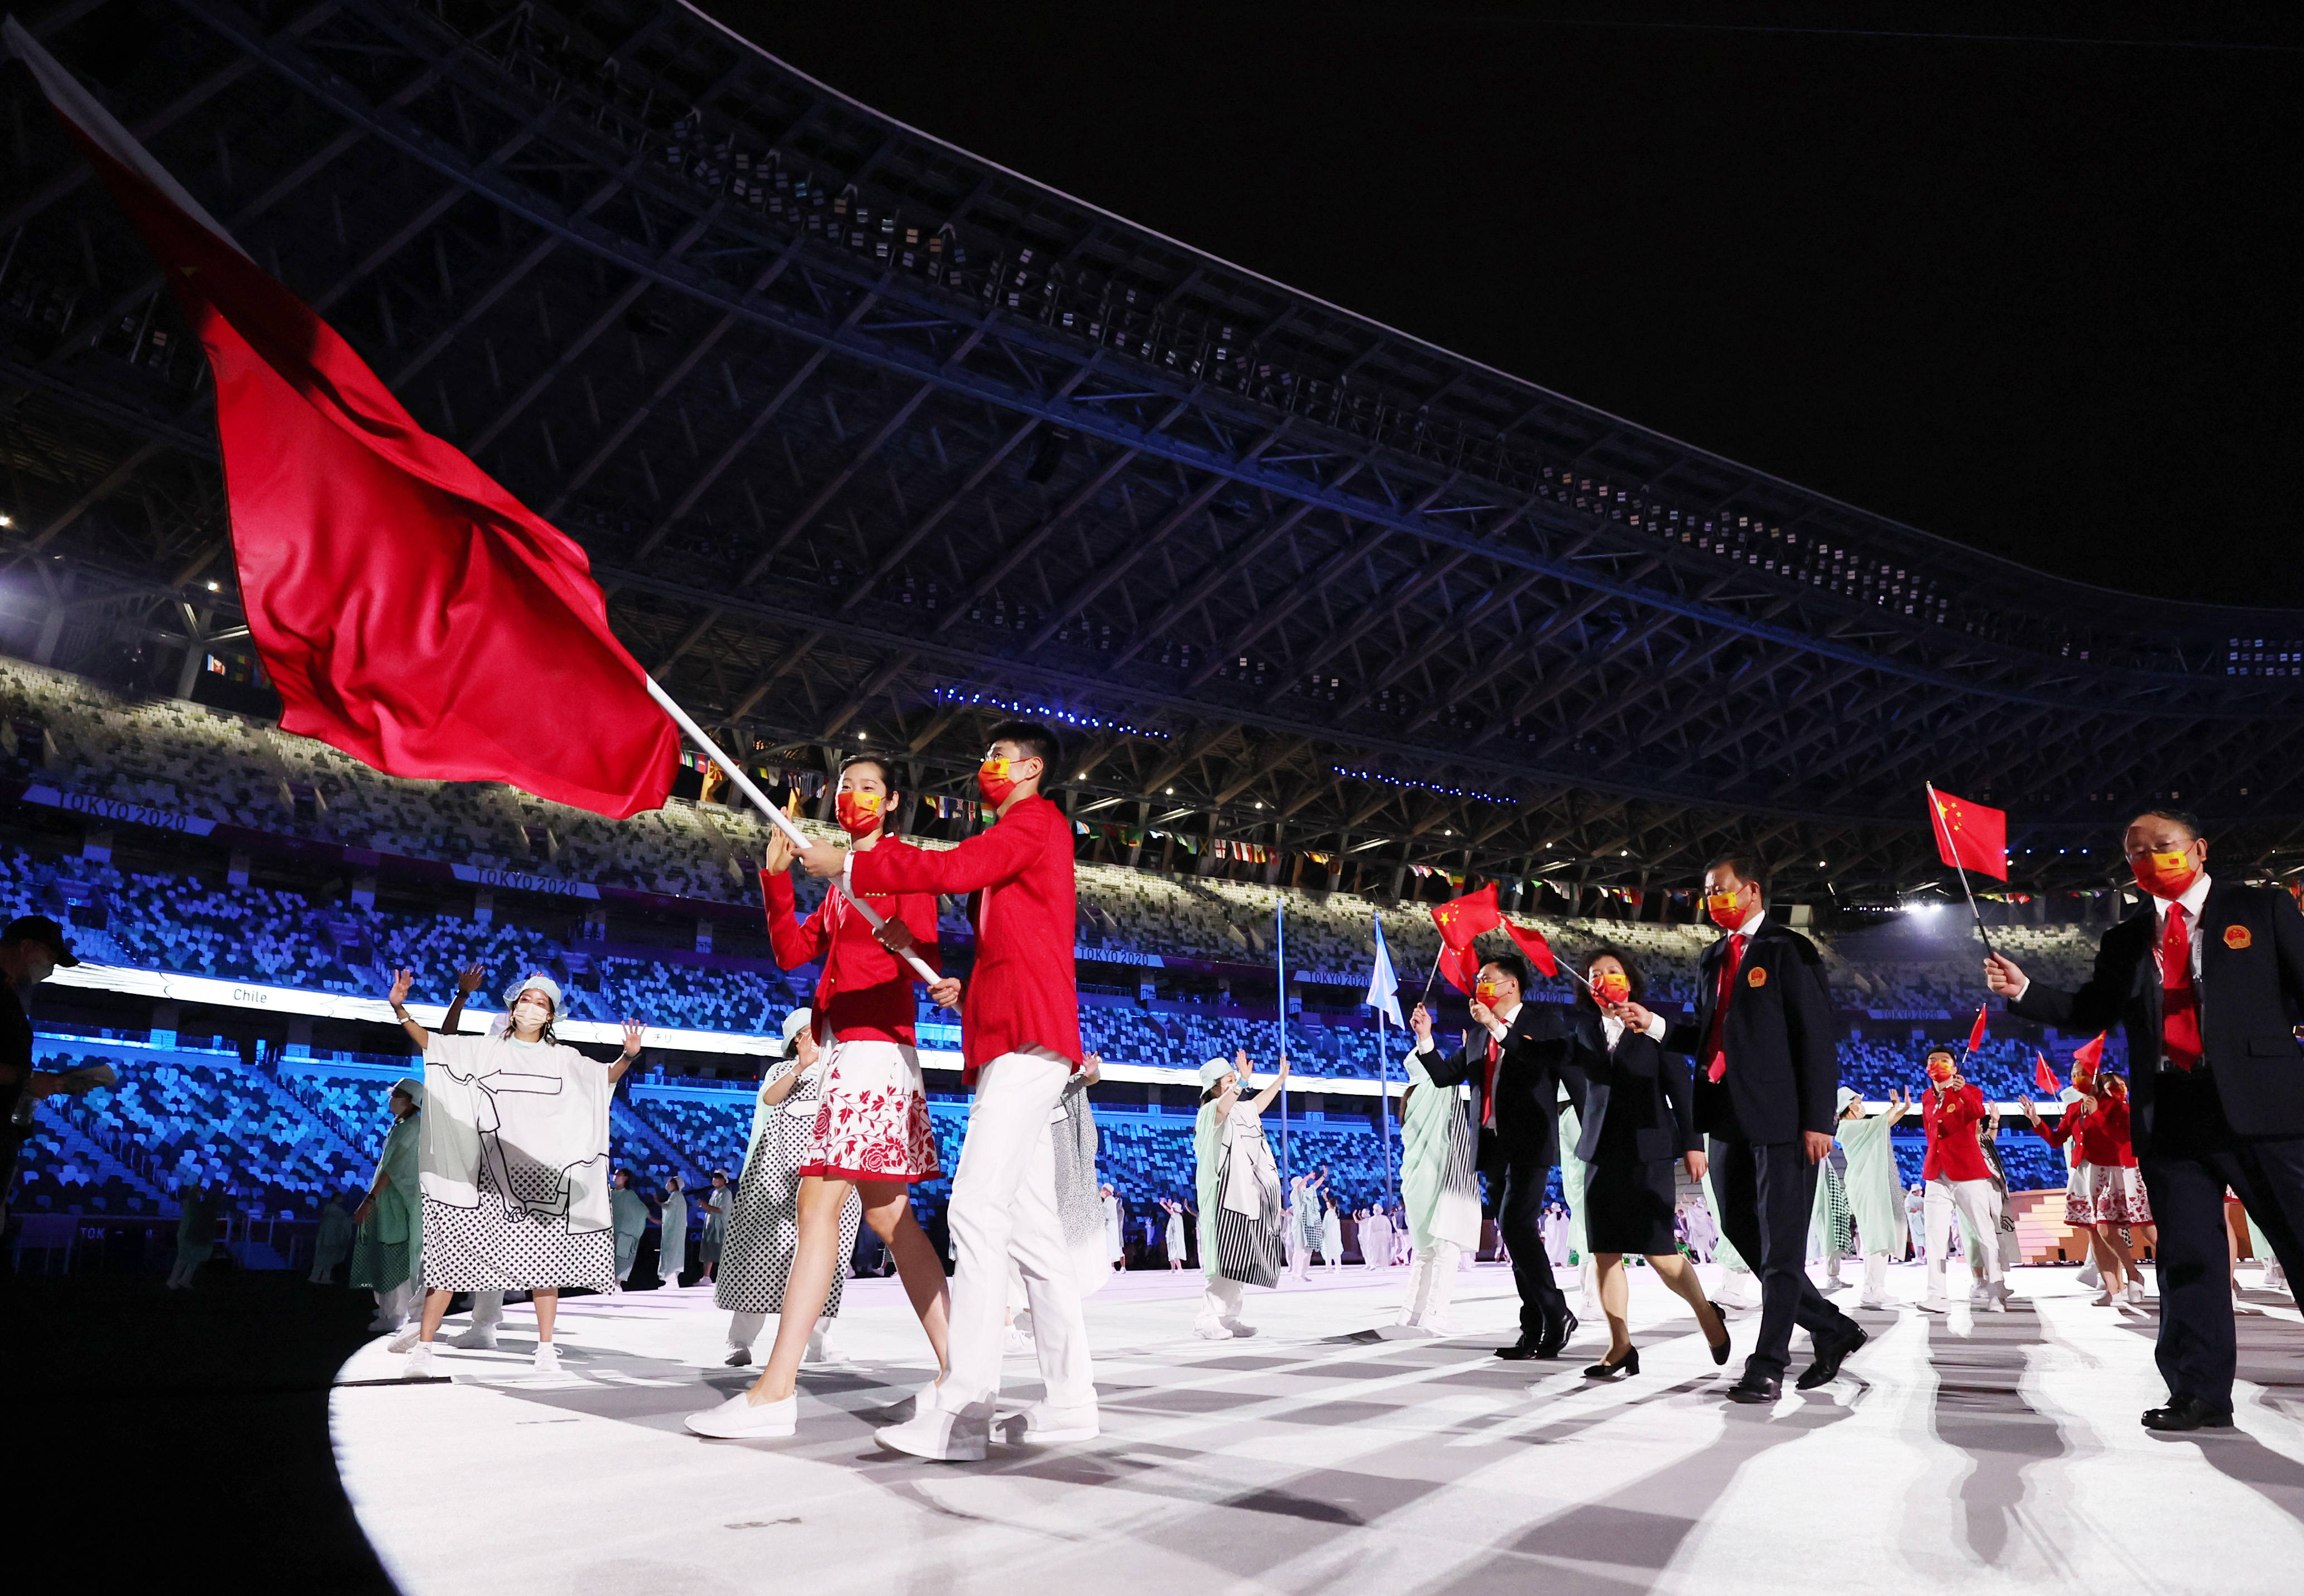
1461	920
2088	1057
1460	968
1976	1031
2043	1076
1968	835
1532	944
410	611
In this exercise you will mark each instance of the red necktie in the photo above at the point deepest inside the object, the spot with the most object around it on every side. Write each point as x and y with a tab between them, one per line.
1715	1044
1488	1097
2180	1001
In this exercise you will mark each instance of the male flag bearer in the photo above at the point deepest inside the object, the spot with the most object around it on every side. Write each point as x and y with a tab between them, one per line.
2210	980
1021	1039
1766	1077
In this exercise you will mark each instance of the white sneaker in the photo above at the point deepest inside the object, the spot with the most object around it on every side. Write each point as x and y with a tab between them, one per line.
1015	1343
739	1418
1040	1425
420	1361
738	1356
937	1436
547	1358
1935	1305
481	1338
409	1337
2136	1296
1211	1329
1872	1302
1995	1301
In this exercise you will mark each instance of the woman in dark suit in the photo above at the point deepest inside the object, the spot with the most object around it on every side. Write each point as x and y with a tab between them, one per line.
1638	1126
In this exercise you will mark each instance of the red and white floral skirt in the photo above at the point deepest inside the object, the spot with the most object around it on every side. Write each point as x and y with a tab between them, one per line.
872	1121
2106	1195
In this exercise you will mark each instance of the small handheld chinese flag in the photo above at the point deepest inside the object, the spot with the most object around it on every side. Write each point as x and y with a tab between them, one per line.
2043	1076
2087	1056
1976	1031
1462	920
1969	836
1532	944
1461	967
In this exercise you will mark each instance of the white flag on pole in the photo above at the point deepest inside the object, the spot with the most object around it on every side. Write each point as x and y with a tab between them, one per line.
1383	984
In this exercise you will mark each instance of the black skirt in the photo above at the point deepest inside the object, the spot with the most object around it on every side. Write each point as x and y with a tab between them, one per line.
1628	1205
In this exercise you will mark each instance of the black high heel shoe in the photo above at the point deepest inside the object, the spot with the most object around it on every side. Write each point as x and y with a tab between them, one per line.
1719	1347
1629	1364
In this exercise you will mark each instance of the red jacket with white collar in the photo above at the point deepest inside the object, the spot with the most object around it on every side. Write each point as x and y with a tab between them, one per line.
865	992
1024	992
1951	1119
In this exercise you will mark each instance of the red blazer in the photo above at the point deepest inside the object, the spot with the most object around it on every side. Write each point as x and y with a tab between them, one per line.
865	992
1024	992
1951	1120
2103	1134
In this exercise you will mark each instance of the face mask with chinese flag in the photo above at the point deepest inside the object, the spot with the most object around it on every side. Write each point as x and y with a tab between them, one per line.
1488	993
1941	1069
1724	909
993	782
2168	875
858	812
1612	986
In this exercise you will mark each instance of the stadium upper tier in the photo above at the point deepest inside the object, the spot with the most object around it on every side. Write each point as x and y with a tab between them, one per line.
866	435
172	768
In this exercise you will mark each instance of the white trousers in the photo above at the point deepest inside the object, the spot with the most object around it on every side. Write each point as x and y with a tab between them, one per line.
1876	1276
1431	1280
744	1328
1003	1205
1220	1301
394	1306
1977	1203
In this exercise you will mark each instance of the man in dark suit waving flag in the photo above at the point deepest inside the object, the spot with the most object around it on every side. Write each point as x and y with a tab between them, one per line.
2209	978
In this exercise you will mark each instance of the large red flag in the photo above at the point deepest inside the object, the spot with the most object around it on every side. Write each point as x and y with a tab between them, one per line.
410	611
1462	920
1969	836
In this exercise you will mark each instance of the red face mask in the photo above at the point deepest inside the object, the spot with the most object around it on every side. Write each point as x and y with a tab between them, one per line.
1487	992
2168	875
858	812
1612	986
2114	1087
992	780
1942	1070
1724	909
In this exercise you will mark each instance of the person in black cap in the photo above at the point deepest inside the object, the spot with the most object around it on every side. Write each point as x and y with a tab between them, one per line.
31	948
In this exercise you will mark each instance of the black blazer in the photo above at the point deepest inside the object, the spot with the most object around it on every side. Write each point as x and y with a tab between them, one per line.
1528	1086
1783	1064
1639	1086
2252	989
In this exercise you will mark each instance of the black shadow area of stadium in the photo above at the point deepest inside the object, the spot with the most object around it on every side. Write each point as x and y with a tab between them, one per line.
134	1406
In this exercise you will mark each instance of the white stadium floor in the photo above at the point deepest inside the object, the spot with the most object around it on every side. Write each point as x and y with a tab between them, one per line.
1976	1454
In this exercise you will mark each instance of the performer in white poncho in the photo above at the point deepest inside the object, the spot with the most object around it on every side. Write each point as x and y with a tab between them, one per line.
763	1221
1239	1191
1437	1191
515	1160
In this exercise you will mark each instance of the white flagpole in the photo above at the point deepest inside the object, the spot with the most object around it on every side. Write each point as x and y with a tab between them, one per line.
1280	945
776	816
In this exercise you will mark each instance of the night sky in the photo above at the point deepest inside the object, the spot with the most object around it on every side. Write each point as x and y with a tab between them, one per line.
2035	296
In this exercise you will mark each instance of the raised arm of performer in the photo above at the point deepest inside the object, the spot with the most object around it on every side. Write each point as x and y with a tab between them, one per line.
531	1013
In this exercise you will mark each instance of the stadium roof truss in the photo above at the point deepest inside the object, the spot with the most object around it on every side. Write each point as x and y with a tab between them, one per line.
867	436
